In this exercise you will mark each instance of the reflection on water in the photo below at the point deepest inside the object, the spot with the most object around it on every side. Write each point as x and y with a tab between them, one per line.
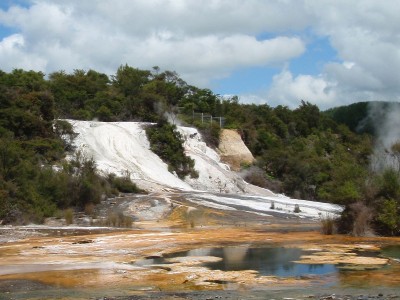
392	252
276	261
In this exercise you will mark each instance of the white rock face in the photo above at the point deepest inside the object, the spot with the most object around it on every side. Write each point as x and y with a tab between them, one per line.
122	147
213	174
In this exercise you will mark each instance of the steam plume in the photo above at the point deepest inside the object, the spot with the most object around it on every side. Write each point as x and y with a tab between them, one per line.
385	118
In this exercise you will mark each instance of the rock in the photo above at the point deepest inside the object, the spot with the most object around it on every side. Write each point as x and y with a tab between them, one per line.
83	242
233	151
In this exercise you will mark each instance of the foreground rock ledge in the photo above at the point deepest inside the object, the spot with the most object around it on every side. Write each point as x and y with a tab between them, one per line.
109	262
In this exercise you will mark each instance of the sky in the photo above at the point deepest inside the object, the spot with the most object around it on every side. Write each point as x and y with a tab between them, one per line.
275	52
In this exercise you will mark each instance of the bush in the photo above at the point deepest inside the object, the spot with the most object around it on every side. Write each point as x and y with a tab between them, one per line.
256	176
123	184
272	205
355	219
167	143
297	208
390	184
362	219
104	114
69	216
210	135
327	225
118	219
389	217
90	209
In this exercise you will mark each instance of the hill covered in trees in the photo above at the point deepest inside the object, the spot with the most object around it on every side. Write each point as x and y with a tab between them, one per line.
302	152
363	117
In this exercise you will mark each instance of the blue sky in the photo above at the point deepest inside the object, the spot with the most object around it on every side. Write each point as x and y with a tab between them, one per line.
276	52
259	78
6	30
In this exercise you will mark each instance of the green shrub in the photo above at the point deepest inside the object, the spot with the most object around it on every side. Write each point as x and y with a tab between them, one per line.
123	184
390	184
69	216
167	143
389	216
210	134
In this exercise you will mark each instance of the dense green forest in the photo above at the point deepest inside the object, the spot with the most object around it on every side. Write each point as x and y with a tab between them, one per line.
35	180
360	118
302	152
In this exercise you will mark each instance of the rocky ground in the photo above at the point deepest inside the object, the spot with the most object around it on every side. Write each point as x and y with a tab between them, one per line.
259	295
80	261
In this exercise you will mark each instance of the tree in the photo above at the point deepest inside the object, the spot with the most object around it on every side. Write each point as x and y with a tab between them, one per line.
167	143
129	81
395	156
10	157
389	186
389	216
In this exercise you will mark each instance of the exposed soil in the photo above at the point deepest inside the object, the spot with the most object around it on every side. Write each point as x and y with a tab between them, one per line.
233	150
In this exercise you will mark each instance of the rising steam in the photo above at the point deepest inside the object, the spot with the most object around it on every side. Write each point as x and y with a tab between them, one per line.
385	118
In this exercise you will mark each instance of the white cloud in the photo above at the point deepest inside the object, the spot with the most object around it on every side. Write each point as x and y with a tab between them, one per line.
12	55
288	90
200	42
365	35
206	40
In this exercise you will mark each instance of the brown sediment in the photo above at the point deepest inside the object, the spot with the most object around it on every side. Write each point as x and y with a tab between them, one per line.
110	258
342	254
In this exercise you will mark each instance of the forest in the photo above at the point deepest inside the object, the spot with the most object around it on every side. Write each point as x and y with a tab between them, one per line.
303	152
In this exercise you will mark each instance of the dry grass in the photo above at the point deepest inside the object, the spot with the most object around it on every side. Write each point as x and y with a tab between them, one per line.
69	216
363	215
328	225
118	219
90	209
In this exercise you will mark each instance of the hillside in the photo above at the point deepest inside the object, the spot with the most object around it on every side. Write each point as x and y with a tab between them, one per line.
122	148
363	117
302	152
